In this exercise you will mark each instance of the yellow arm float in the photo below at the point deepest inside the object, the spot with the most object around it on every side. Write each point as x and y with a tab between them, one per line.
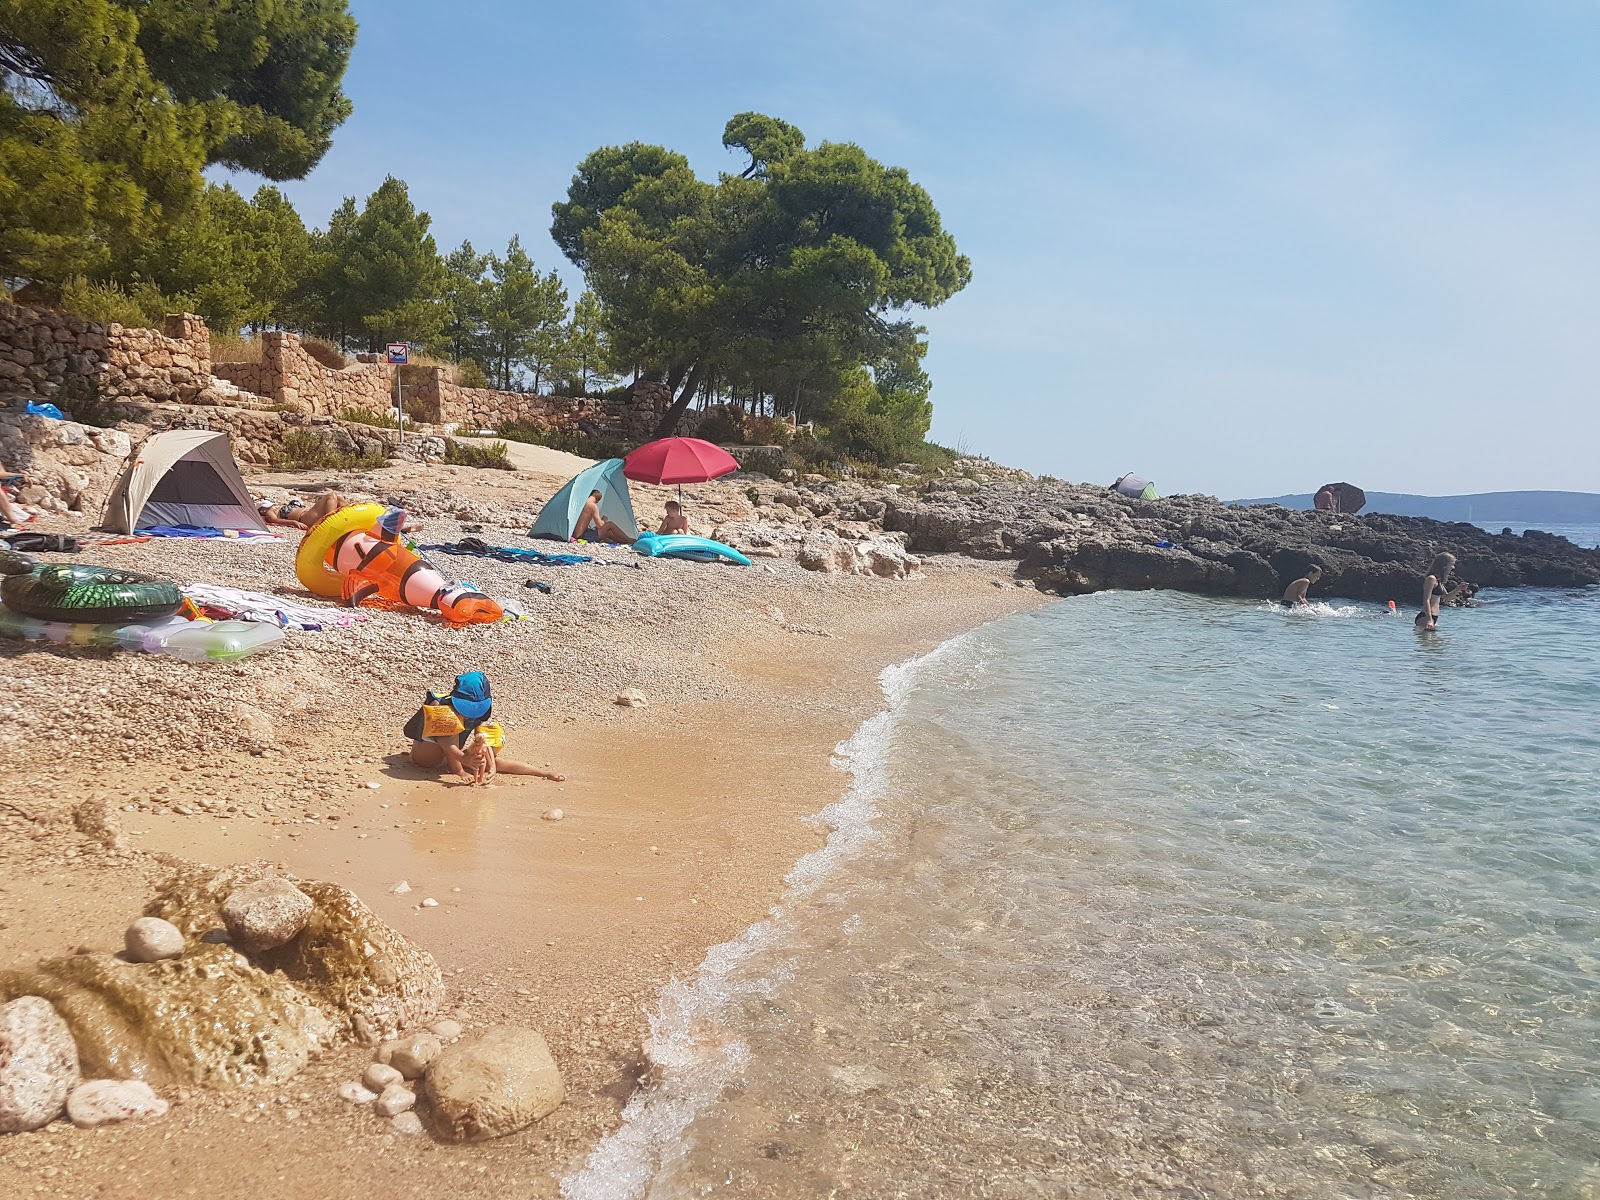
311	560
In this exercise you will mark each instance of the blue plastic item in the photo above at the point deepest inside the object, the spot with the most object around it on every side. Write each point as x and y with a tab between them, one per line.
45	410
683	545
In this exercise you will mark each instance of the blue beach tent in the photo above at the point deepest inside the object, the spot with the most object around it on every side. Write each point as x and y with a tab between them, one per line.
558	518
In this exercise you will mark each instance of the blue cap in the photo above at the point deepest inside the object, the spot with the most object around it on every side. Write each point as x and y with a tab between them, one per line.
471	696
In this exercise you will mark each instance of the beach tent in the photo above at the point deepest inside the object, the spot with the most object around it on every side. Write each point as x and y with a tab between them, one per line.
1139	489
182	477
559	517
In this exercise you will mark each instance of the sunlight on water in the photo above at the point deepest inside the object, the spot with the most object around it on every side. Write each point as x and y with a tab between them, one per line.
1189	897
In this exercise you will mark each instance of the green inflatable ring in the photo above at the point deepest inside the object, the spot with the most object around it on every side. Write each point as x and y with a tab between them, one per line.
12	563
89	595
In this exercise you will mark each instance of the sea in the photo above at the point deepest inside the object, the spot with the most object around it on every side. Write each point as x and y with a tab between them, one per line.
1148	894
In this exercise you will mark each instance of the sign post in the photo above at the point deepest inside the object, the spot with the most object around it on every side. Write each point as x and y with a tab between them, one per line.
397	355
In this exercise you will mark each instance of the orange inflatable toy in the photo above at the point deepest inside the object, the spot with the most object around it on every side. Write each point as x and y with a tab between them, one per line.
377	565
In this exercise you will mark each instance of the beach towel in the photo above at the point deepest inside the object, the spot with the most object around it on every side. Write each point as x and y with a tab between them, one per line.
206	531
268	609
481	549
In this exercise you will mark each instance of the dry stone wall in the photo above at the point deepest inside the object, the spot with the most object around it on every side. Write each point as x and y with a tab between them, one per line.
288	376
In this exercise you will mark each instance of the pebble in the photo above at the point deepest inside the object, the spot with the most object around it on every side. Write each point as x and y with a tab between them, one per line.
445	1030
113	1102
632	698
430	902
400	889
379	1076
38	1064
356	1094
394	1099
408	1124
150	939
553	814
266	914
411	1055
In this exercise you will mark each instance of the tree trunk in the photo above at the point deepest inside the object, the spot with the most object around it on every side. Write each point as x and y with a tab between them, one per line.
670	419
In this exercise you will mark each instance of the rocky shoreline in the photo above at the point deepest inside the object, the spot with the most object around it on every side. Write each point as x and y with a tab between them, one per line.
1077	538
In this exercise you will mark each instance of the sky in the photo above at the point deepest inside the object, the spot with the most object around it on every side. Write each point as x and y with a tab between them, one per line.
1242	248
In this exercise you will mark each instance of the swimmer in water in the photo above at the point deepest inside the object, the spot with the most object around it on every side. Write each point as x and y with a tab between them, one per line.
1294	596
1434	590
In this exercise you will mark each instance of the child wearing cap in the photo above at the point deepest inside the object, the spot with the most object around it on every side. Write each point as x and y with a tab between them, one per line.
441	729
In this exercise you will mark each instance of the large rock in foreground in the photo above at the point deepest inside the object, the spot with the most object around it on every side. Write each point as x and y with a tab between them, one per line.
38	1064
496	1083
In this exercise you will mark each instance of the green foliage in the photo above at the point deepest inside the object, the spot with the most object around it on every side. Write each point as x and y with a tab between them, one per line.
477	454
365	416
523	315
585	445
110	109
470	375
374	274
588	348
142	305
306	449
782	281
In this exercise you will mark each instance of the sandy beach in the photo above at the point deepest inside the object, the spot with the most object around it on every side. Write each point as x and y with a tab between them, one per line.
680	816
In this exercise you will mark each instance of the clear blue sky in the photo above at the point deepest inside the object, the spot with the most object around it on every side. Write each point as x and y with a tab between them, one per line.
1240	248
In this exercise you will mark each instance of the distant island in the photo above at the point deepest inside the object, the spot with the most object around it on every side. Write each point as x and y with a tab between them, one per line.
1529	508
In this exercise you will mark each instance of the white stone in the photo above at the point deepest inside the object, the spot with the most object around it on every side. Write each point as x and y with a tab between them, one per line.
408	1124
113	1102
430	902
411	1055
394	1099
38	1064
356	1093
632	698
553	814
445	1030
150	939
400	889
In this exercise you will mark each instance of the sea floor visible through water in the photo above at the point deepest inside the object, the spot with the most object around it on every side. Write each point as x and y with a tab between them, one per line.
1148	894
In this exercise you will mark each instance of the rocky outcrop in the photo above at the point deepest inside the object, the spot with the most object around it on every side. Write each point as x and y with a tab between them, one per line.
1079	538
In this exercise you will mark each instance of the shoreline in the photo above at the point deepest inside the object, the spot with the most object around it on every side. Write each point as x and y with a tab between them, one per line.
699	803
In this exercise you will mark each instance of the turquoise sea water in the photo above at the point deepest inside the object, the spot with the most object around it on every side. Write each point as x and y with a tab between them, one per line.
1155	895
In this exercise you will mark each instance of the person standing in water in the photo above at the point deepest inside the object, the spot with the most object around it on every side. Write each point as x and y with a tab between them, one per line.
1434	589
1294	596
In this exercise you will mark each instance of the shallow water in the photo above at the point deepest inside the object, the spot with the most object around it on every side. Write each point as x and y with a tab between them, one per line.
1146	894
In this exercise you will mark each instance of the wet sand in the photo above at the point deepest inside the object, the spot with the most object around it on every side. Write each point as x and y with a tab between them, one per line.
681	820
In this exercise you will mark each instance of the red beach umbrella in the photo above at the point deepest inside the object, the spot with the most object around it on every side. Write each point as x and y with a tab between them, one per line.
678	460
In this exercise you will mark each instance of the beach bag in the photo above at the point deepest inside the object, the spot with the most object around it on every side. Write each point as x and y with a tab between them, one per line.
33	543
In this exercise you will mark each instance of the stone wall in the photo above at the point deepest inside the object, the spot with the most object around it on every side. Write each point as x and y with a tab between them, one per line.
630	418
288	376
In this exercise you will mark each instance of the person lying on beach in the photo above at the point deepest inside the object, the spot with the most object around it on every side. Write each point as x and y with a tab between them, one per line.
10	511
592	527
442	730
303	516
674	521
1295	593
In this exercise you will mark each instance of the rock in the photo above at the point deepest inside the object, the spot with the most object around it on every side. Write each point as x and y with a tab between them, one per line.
430	902
411	1055
493	1084
394	1099
631	698
38	1064
400	889
355	1093
380	1075
150	939
553	814
446	1030
113	1102
407	1123
255	727
266	914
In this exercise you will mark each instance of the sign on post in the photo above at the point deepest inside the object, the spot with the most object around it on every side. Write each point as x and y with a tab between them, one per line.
397	354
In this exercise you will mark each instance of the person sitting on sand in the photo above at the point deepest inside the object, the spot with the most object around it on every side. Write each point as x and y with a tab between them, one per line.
466	708
592	527
11	512
1295	594
674	521
1435	591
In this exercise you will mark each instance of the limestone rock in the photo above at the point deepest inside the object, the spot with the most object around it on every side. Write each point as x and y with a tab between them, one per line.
113	1102
150	939
411	1055
208	1019
266	914
445	1030
38	1064
493	1084
356	1093
379	1075
369	979
632	698
406	1123
394	1099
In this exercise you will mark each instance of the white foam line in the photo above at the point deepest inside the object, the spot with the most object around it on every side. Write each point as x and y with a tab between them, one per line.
694	1053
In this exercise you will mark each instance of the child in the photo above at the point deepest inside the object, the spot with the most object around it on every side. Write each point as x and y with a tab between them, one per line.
675	521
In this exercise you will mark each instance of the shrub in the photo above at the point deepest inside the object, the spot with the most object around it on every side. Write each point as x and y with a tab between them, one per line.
142	304
470	375
306	448
365	416
719	425
477	454
768	431
585	445
228	348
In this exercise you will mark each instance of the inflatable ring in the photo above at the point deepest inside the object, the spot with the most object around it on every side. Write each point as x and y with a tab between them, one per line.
84	594
12	563
311	560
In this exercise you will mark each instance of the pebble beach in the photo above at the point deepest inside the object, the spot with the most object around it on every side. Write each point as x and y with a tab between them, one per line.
565	906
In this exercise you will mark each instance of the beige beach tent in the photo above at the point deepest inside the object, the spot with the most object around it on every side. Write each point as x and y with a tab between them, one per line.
182	477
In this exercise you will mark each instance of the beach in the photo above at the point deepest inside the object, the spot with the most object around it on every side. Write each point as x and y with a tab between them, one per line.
680	816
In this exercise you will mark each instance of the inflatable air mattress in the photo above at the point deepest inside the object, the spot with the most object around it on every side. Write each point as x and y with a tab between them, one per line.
683	545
